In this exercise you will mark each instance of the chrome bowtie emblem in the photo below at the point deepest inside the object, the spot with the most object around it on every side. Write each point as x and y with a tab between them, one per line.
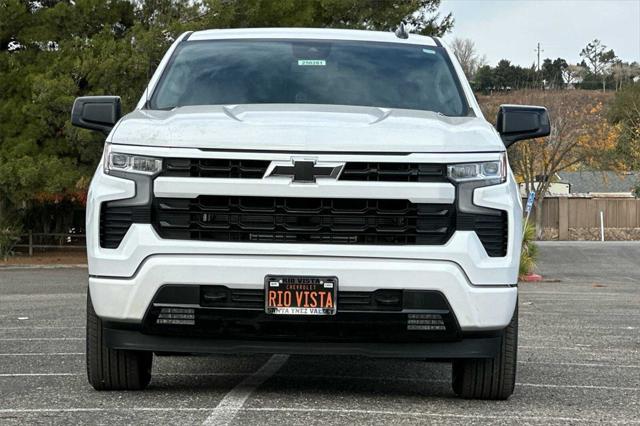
304	170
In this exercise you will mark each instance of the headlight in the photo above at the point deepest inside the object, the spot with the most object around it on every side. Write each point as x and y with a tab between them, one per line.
131	163
493	172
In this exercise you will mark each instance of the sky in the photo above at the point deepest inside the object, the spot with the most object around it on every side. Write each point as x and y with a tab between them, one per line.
511	29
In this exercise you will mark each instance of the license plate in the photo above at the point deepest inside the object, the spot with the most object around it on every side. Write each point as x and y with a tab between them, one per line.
300	295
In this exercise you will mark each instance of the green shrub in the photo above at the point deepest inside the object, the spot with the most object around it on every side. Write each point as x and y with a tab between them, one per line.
529	253
9	237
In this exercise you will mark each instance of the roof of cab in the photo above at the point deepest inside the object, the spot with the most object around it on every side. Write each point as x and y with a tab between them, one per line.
310	33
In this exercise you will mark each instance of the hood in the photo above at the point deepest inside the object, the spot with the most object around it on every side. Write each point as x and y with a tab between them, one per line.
317	128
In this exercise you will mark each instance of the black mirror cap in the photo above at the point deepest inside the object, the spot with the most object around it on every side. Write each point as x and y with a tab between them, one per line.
518	122
99	113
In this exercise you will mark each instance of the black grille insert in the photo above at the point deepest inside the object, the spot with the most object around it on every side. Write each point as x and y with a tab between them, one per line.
114	224
304	220
394	172
491	229
214	168
116	220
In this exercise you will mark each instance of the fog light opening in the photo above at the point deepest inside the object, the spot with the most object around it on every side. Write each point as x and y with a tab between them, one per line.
425	322
177	316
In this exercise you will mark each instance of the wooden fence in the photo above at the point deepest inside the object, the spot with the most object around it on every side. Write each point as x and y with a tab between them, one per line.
32	240
569	214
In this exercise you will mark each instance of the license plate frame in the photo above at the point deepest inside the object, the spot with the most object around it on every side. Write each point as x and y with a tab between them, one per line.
297	302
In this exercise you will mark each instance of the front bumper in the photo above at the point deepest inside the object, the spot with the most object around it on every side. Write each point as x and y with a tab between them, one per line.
475	307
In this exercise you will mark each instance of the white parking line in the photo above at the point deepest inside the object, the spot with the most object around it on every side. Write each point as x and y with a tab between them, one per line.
228	407
155	374
96	410
580	364
540	385
579	348
317	410
569	364
414	379
39	374
30	339
43	354
226	410
431	414
40	328
579	314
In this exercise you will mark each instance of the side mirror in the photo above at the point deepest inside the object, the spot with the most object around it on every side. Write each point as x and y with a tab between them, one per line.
96	112
518	122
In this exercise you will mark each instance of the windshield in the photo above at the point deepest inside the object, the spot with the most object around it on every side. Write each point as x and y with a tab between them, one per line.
386	75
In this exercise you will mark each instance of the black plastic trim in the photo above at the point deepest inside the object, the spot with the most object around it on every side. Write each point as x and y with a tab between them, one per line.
137	207
481	347
143	190
348	301
464	197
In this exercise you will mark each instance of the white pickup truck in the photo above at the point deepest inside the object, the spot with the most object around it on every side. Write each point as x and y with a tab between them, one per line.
305	191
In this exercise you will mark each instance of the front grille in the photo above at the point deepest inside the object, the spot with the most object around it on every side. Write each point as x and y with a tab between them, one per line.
255	169
304	220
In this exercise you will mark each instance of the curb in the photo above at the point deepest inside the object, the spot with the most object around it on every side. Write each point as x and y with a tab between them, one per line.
529	278
28	266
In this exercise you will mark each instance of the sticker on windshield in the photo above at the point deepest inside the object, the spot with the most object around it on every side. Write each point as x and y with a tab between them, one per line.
432	52
312	62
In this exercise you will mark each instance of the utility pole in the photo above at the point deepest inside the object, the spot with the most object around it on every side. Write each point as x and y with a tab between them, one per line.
538	49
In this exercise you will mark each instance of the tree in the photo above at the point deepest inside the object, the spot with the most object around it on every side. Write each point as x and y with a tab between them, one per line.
552	72
504	75
625	112
470	60
573	74
598	59
623	73
421	16
484	80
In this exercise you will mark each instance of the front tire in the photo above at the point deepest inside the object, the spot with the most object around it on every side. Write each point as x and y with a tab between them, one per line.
113	369
492	378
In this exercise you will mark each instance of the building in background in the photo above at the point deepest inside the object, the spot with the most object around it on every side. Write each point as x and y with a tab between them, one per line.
599	184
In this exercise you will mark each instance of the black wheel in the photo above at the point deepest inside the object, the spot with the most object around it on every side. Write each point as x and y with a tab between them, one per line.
113	369
491	378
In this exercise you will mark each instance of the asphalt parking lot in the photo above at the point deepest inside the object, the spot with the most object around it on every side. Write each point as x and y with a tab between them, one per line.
579	361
